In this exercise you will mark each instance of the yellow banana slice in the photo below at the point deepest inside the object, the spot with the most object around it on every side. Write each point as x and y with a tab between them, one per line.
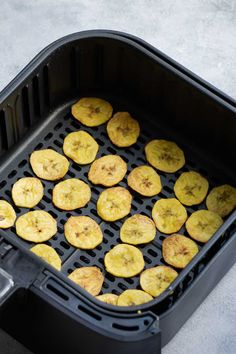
169	215
124	261
36	226
157	279
123	130
191	188
49	164
138	229
81	147
27	192
7	215
178	250
133	297
71	194
108	298
222	200
114	203
48	254
164	155
89	278
107	170
202	225
92	111
83	232
145	181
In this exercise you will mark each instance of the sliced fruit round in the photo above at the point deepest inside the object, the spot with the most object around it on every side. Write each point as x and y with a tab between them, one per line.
157	279
123	130
191	188
83	232
7	215
124	261
36	226
222	200
81	147
169	215
92	111
138	229
71	194
178	250
114	203
27	192
107	170
108	298
49	164
48	254
133	297
145	181
202	225
164	155
89	278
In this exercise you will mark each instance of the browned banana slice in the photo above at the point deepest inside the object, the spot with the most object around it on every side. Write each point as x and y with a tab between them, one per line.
81	147
49	164
164	155
83	232
27	192
7	215
178	250
191	188
169	215
36	226
71	194
132	297
107	170
48	254
108	298
157	279
138	229
114	203
123	130
222	200
145	181
202	225
89	278
92	111
124	261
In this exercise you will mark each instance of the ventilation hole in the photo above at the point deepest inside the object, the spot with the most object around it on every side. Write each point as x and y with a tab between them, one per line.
110	277
136	147
54	215
95	191
28	174
105	241
124	158
76	167
39	146
48	136
91	253
60	230
3	131
147	260
108	232
22	163
68	130
122	286
148	207
46	199
114	226
41	205
105	285
58	126
62	136
134	165
2	184
129	280
69	270
100	260
36	100
141	139
94	212
77	265
85	259
90	313
25	107
138	200
99	247
168	189
75	124
58	143
57	292
65	245
71	174
111	150
134	208
141	160
100	142
129	152
152	253
68	215
8	193
12	174
60	252
86	174
50	191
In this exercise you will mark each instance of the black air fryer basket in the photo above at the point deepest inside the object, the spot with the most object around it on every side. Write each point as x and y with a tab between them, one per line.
39	306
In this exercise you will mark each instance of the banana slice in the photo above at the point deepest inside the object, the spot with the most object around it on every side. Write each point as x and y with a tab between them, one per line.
92	111
178	250
191	188
83	232
81	147
89	278
114	203
48	254
202	225
71	194
222	200
124	261
157	279
145	181
133	297
123	130
107	170
36	226
164	155
27	192
138	229
169	215
7	215
108	298
49	164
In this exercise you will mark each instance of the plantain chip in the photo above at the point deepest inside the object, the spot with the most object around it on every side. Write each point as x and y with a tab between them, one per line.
145	181
222	200
7	215
132	297
27	192
48	254
138	229
89	278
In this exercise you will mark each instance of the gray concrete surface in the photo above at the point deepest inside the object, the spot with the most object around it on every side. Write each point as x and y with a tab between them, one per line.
200	34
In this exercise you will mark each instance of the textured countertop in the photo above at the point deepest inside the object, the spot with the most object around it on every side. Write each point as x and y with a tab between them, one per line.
200	34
